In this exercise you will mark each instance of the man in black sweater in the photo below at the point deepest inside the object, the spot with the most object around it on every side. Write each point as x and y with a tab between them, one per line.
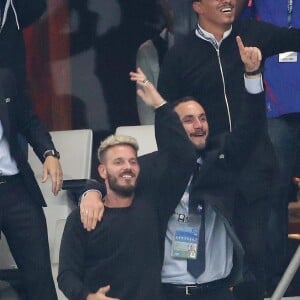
120	257
207	66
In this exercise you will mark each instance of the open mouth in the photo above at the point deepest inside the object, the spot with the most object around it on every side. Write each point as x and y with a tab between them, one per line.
226	10
199	134
127	175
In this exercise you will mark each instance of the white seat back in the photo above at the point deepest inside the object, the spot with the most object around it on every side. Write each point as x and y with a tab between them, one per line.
144	134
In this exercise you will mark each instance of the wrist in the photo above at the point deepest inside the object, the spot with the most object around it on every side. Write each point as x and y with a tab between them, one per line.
88	191
160	105
52	153
256	72
256	76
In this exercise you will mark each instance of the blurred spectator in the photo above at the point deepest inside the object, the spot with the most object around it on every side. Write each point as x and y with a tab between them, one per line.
282	77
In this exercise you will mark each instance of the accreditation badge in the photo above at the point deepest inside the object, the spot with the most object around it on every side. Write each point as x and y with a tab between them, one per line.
185	241
288	57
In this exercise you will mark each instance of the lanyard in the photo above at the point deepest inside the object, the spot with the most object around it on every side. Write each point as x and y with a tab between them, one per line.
290	7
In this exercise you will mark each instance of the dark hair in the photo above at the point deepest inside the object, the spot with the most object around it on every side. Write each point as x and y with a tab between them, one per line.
182	100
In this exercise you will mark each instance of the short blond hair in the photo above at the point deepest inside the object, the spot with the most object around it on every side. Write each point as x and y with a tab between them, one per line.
116	140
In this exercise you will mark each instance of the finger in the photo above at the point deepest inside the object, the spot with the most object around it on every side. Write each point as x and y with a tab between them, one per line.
255	57
45	174
137	78
104	289
55	186
91	220
100	214
57	181
141	93
139	71
84	216
240	44
133	76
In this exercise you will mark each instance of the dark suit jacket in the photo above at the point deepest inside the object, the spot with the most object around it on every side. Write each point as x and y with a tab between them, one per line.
168	170
12	54
16	117
29	12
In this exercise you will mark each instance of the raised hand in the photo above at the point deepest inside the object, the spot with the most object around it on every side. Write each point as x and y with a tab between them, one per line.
146	90
251	56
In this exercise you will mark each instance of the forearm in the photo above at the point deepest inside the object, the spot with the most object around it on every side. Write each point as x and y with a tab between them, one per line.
273	40
169	78
71	286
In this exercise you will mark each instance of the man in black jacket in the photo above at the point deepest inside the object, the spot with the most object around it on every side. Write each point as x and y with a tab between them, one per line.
207	66
21	214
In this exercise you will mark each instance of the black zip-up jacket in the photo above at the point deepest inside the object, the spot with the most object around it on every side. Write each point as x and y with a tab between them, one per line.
215	77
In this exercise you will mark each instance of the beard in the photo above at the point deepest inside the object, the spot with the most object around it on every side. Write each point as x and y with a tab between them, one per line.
123	191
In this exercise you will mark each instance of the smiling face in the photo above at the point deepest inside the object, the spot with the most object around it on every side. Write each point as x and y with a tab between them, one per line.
193	119
215	14
120	169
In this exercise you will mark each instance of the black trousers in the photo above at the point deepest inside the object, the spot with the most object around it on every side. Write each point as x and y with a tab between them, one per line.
217	294
24	225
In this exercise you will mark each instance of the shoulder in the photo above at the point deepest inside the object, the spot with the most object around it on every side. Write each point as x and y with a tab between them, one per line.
147	49
184	44
149	159
253	27
146	46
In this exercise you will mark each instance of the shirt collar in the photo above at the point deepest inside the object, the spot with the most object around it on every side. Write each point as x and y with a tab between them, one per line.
207	36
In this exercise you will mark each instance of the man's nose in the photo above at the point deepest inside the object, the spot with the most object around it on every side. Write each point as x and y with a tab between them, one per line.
127	165
197	123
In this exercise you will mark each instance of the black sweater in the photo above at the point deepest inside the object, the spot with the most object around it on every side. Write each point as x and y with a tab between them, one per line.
123	251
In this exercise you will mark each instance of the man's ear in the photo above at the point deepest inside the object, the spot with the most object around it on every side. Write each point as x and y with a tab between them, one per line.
197	7
102	171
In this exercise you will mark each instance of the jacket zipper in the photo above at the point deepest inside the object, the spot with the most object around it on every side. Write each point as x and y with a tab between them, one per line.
224	90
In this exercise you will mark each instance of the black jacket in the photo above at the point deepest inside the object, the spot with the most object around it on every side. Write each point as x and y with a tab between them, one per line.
194	67
13	54
16	117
